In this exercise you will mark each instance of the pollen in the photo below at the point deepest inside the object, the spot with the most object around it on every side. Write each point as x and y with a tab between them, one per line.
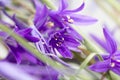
112	64
70	20
63	39
68	17
50	24
57	44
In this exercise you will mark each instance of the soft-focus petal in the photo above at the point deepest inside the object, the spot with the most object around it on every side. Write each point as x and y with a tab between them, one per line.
42	72
75	35
111	44
40	16
26	33
116	70
12	72
100	41
102	66
63	5
75	10
19	23
82	19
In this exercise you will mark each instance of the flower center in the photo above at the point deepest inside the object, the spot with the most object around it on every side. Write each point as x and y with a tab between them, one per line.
58	39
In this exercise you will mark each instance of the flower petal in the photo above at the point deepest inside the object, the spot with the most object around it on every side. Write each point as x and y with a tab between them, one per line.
82	19
40	16
75	10
12	72
101	42
116	70
70	41
111	44
63	5
65	52
19	23
74	33
102	66
31	38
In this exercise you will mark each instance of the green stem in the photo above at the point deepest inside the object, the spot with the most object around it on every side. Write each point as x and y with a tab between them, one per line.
109	75
30	48
49	4
26	6
87	60
113	16
115	4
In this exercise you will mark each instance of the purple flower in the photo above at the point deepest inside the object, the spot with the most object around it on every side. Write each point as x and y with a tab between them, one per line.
19	53
64	15
111	61
49	26
62	42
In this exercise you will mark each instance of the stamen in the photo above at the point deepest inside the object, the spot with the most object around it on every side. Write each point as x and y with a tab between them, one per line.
56	39
63	39
70	20
68	17
57	44
50	24
112	64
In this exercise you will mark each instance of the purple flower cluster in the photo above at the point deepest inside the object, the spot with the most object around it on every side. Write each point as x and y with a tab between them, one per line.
51	34
56	27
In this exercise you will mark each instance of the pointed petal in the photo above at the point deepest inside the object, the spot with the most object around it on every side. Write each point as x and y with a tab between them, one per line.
75	10
101	42
40	16
102	66
82	19
31	38
25	31
70	30
16	53
111	44
70	41
116	70
19	23
63	5
65	52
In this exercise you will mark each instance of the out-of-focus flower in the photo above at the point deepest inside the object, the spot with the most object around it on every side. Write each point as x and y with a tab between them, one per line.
12	72
111	61
19	53
27	72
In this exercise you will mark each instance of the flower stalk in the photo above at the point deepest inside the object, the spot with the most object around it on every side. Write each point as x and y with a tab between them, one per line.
111	14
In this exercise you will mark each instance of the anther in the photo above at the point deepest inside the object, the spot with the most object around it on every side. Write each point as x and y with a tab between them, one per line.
70	20
112	64
63	39
50	24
